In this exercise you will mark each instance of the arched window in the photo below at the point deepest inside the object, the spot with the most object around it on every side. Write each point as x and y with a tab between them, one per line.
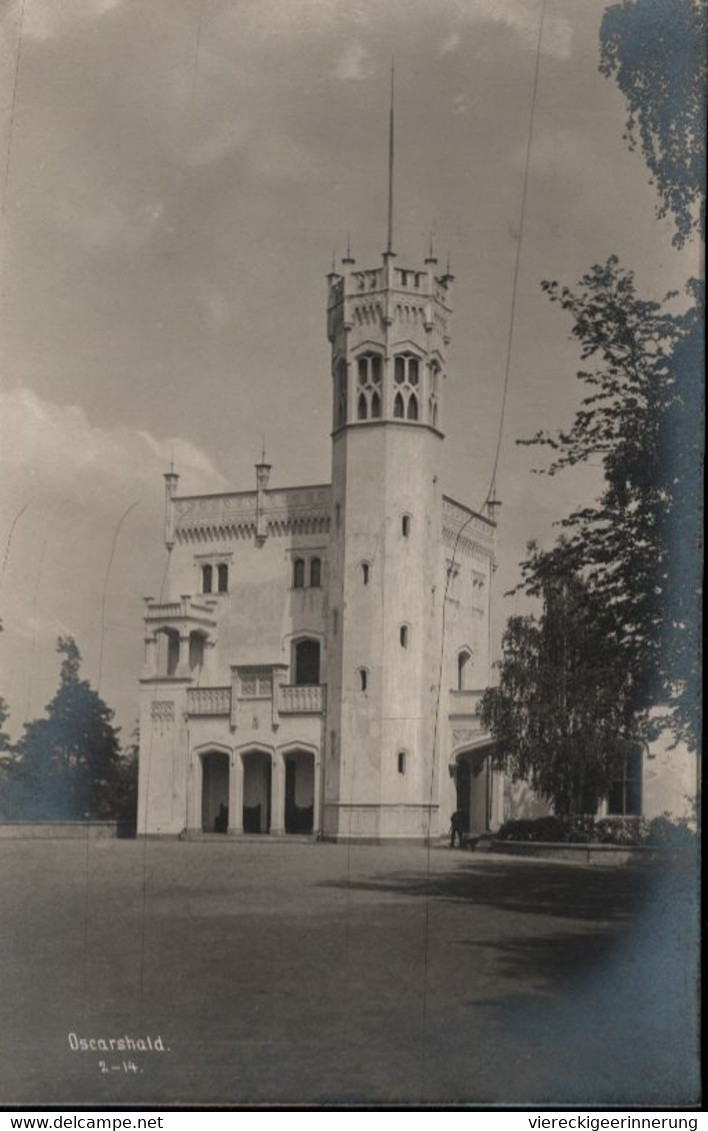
363	679
222	578
401	760
298	574
375	407
361	408
403	635
172	658
406	369
413	407
315	573
398	406
463	668
365	572
406	525
207	578
307	662
369	369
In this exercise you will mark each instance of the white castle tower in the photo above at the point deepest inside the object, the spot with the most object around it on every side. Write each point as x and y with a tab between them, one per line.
389	329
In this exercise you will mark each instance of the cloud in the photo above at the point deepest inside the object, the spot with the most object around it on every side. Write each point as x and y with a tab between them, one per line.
523	18
58	450
354	63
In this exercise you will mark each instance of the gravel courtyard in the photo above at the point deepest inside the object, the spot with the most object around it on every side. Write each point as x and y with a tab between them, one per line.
298	973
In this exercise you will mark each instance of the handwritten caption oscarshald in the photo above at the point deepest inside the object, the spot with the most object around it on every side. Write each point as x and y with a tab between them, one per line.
114	1045
117	1044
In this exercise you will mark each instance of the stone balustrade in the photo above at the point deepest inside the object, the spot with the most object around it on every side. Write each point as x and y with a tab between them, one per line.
308	699
209	701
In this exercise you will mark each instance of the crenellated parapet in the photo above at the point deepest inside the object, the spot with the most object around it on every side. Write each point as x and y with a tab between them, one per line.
252	514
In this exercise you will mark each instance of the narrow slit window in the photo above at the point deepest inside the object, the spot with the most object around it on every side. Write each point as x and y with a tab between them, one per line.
207	579
406	526
363	679
315	573
298	574
403	635
401	761
365	572
222	578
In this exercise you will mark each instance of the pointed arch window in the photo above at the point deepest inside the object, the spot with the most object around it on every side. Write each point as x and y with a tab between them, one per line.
398	407
375	407
412	412
464	664
361	411
306	656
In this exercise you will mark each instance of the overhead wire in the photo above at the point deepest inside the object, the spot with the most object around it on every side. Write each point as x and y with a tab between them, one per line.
489	498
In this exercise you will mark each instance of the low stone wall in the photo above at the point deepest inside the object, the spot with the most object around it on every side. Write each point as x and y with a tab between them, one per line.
59	830
604	854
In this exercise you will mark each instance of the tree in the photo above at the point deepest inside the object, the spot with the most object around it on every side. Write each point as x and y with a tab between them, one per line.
560	715
656	51
638	545
67	763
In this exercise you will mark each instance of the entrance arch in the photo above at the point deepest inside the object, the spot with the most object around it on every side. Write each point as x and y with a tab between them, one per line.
215	792
257	785
473	789
299	791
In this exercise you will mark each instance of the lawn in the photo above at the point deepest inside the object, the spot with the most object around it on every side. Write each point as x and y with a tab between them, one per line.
299	973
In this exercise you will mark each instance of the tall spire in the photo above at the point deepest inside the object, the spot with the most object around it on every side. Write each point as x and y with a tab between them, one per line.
389	241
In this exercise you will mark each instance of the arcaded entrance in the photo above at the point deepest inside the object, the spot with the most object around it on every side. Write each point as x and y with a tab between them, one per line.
256	792
215	792
472	782
299	792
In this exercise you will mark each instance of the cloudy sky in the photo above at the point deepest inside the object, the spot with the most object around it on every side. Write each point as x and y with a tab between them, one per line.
175	178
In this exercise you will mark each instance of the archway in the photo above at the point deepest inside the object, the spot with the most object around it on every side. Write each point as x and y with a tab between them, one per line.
215	792
257	773
299	792
472	786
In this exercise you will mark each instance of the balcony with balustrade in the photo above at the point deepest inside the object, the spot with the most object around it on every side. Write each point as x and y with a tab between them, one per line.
288	699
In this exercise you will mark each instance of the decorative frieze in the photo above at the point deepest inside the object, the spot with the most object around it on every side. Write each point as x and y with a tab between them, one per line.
216	518
162	715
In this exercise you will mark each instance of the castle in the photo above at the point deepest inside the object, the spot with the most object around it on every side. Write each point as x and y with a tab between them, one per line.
316	657
316	660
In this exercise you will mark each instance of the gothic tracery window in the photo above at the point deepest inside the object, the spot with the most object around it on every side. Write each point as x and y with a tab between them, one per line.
406	376
369	378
